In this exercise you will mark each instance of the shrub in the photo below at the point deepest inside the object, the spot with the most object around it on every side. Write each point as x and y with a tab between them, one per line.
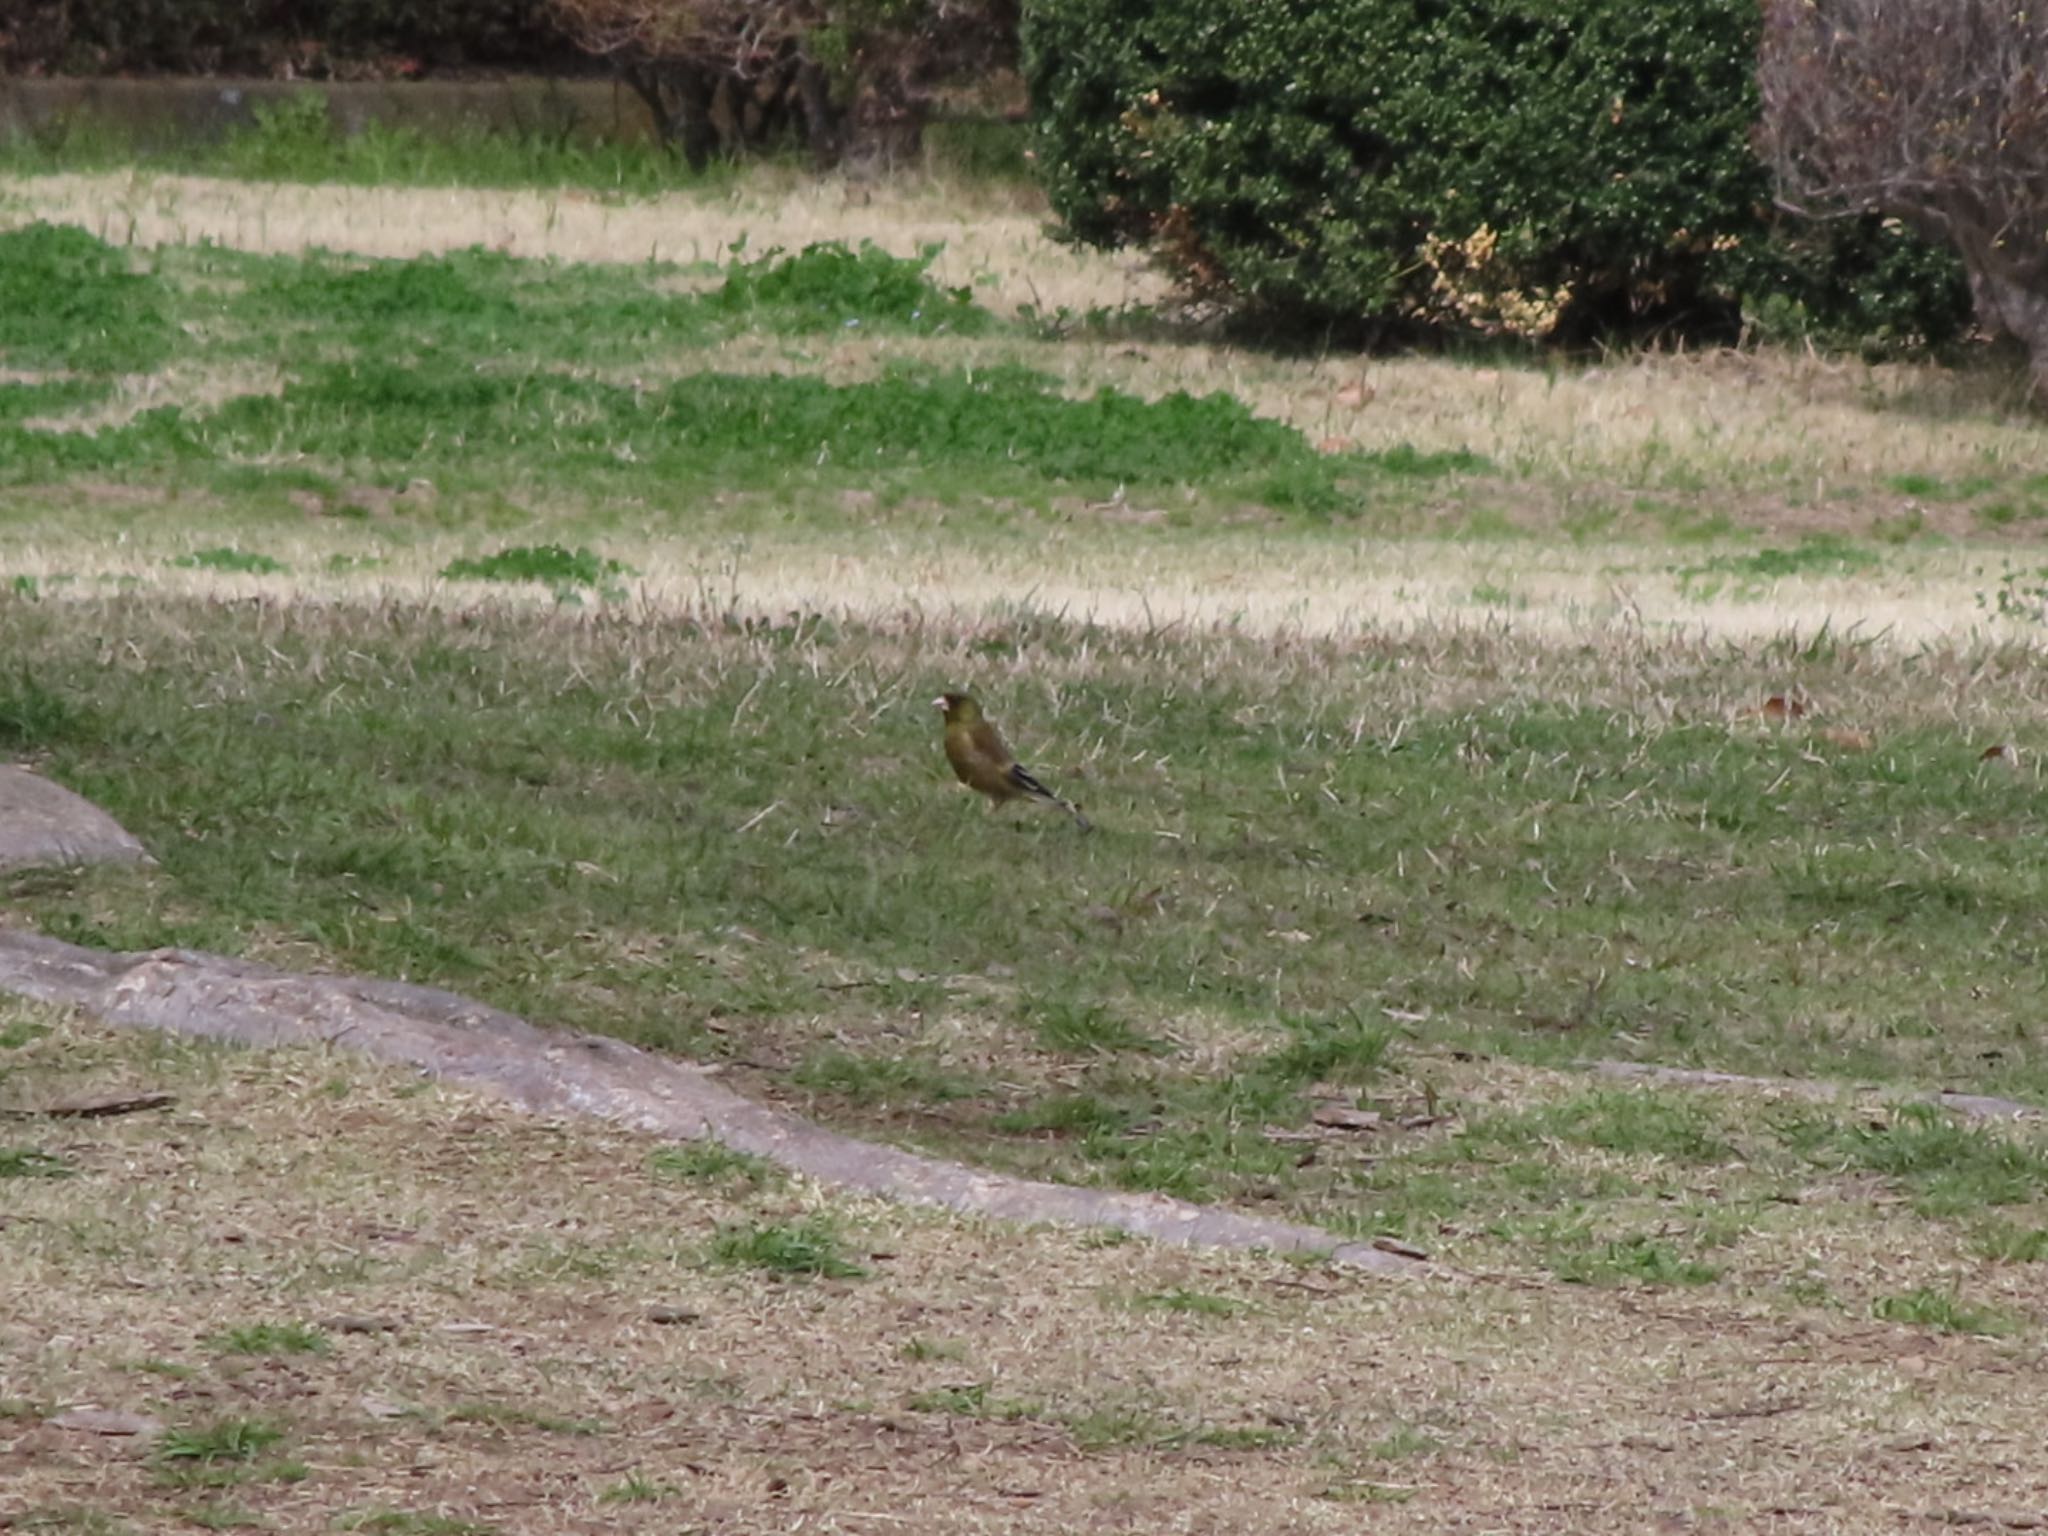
314	38
1553	168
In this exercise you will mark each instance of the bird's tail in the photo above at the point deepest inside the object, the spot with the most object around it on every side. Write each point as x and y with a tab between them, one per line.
1021	777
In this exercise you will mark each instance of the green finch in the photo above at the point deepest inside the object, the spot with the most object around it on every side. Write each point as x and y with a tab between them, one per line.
977	752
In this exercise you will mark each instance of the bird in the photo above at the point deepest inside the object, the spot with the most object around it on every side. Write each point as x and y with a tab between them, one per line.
983	761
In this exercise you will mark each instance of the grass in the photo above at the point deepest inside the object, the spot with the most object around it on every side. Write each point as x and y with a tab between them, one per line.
802	1248
1370	885
1943	1311
1197	1303
710	1162
1034	1347
240	562
232	1439
404	1522
33	1163
1338	861
549	564
69	301
293	139
273	1339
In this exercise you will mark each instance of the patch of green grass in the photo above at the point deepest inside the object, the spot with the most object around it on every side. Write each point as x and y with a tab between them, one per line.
1639	1258
1933	488
2020	594
1113	1426
517	1416
227	1439
922	1349
1817	554
172	1369
1364	1491
71	1517
1066	1025
382	1520
809	1247
20	401
294	139
32	1163
1677	1126
1943	1310
970	1400
2004	1243
272	1339
1352	873
71	301
19	1032
712	1162
880	1080
238	562
1198	1303
736	431
222	1454
829	286
550	565
634	1488
477	370
1405	1441
32	715
1245	1437
220	1515
1951	1167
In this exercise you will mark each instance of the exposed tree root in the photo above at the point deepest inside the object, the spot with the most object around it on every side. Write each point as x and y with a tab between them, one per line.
187	993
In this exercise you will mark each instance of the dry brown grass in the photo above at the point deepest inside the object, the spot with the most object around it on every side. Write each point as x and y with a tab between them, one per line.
515	1378
1109	564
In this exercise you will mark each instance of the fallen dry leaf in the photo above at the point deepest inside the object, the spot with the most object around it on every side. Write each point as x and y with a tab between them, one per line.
1355	395
1334	445
1845	738
2004	754
1778	707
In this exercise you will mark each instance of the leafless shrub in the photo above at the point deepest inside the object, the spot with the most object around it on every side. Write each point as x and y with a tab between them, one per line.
1934	112
844	76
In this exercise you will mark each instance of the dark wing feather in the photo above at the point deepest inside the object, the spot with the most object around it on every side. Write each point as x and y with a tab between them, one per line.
1021	777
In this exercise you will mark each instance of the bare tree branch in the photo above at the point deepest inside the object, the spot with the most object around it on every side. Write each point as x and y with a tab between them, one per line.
1933	112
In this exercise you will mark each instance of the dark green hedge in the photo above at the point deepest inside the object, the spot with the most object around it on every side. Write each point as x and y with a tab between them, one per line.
1334	160
266	37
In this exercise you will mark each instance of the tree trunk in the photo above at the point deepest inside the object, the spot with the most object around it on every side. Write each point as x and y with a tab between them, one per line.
679	97
2019	310
824	123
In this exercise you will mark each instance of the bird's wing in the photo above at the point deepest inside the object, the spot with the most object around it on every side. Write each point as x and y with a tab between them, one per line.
1023	778
988	742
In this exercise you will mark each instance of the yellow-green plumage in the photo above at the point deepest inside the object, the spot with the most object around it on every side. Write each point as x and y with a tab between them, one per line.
983	761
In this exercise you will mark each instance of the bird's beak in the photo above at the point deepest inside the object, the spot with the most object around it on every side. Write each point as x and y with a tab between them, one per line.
938	703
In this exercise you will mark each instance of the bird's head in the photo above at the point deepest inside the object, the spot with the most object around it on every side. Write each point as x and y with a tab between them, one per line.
957	707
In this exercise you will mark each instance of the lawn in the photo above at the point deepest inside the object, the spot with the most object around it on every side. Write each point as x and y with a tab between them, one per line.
563	631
